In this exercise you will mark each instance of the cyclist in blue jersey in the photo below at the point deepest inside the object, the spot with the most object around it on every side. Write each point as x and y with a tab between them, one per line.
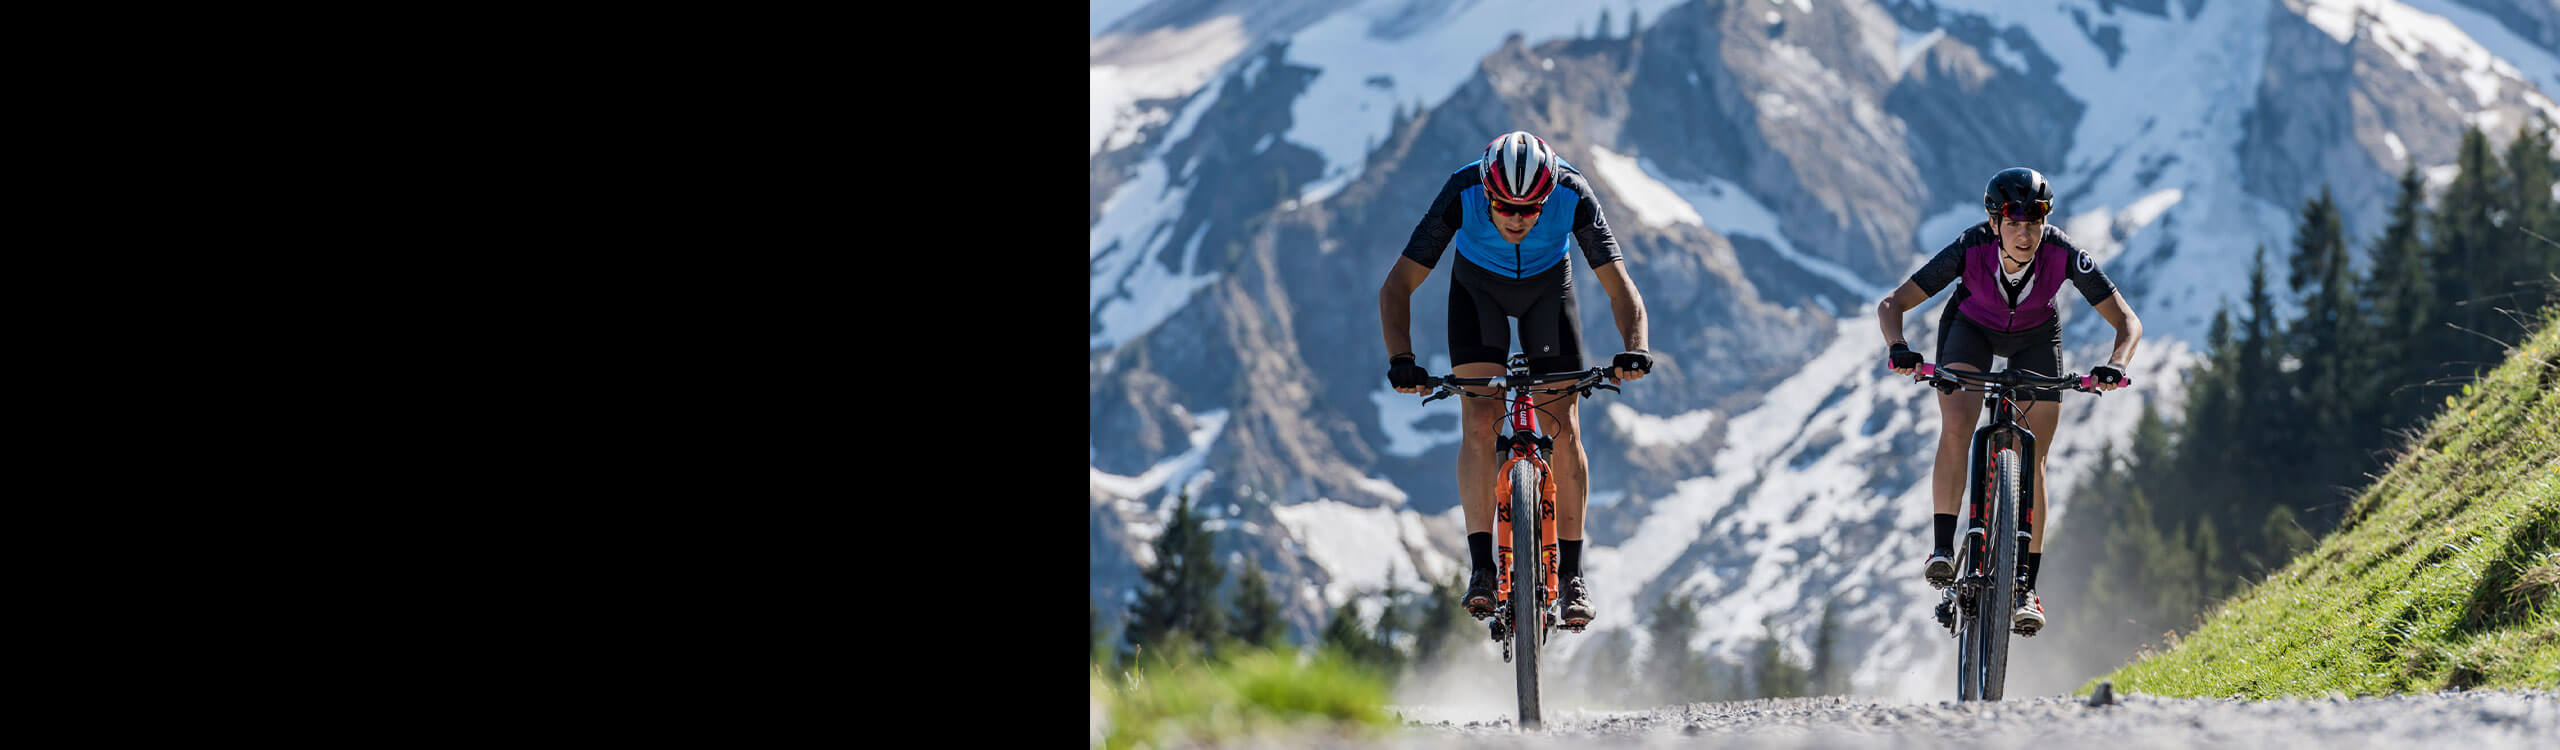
1510	214
2013	265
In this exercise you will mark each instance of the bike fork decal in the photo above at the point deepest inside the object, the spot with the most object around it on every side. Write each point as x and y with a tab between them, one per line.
1547	525
1502	531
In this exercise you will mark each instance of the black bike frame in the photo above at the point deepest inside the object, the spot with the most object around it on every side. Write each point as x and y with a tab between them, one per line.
1987	443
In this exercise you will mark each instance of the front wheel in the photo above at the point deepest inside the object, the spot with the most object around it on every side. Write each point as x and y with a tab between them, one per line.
2000	600
1527	616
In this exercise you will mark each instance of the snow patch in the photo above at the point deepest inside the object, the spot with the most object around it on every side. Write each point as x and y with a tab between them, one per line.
2134	217
2399	152
1316	192
1645	429
1155	293
1381	488
1206	426
1728	209
2014	58
1652	202
1914	45
1363	550
1340	115
1399	412
2404	30
1159	64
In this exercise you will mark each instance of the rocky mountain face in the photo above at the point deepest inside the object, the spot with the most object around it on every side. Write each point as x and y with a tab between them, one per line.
1769	169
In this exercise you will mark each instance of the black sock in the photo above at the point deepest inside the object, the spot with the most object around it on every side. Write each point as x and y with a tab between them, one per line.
1568	559
1946	530
1480	550
2034	560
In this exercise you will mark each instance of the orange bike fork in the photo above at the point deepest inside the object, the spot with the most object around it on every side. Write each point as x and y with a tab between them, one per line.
1546	526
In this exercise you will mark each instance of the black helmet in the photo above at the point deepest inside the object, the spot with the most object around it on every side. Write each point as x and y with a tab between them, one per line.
2022	186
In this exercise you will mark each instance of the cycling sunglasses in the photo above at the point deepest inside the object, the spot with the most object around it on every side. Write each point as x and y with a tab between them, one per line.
1515	209
2026	210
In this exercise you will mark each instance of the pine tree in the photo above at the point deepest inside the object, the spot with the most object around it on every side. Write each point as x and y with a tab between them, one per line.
1345	635
2403	297
1177	595
1602	30
1635	22
2328	339
1777	674
2264	426
1826	677
1442	616
2465	230
1257	621
1677	673
2531	243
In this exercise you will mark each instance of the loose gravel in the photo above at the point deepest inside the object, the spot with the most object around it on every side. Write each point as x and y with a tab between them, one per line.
2479	720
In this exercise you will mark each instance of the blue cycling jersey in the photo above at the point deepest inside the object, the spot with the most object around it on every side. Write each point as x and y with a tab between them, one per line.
1461	216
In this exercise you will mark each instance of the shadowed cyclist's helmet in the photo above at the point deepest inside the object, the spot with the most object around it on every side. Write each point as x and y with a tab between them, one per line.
2019	194
1519	168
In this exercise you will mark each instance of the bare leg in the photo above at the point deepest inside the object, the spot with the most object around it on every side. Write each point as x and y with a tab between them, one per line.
2042	419
1957	414
1481	421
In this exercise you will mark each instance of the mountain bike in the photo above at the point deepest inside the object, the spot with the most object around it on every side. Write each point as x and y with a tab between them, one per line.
1524	514
1976	609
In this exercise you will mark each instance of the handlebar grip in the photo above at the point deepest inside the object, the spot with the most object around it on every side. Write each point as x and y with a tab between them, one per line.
1928	370
2090	382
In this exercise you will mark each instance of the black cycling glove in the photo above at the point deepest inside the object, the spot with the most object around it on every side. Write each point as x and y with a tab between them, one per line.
1903	357
2108	374
1638	360
1403	373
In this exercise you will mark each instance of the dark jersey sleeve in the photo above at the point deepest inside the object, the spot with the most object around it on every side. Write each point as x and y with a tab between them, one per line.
1591	230
1943	269
1439	223
2084	273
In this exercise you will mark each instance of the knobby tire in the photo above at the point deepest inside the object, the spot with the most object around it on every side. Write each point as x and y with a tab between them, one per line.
2001	600
1527	617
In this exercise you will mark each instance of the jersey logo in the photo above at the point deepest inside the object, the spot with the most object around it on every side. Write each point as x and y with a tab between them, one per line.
2086	264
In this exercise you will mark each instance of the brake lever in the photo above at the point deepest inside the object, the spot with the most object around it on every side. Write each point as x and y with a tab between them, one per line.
1438	396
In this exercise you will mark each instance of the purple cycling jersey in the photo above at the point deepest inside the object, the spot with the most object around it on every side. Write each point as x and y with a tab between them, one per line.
1988	301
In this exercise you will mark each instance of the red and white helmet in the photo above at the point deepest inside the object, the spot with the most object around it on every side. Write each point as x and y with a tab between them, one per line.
1519	168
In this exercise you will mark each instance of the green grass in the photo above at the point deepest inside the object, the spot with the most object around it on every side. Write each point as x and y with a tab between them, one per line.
2440	577
1256	693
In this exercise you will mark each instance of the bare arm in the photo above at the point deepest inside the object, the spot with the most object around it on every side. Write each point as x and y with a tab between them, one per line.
1627	306
1395	304
1889	313
2128	328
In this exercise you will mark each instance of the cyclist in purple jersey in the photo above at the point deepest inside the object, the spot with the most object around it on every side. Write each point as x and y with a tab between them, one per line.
2012	266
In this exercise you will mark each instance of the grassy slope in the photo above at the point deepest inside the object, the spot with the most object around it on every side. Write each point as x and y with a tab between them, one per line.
1255	693
2440	578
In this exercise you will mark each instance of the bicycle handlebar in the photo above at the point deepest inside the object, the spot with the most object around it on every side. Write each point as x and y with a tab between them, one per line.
2013	379
1583	382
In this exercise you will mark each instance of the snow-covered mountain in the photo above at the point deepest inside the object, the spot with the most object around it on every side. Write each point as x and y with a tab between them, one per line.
1771	167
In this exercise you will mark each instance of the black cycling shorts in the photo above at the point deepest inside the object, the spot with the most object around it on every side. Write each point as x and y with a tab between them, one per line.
2037	350
1550	327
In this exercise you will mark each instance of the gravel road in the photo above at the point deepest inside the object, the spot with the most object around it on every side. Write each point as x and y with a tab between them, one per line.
2479	720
